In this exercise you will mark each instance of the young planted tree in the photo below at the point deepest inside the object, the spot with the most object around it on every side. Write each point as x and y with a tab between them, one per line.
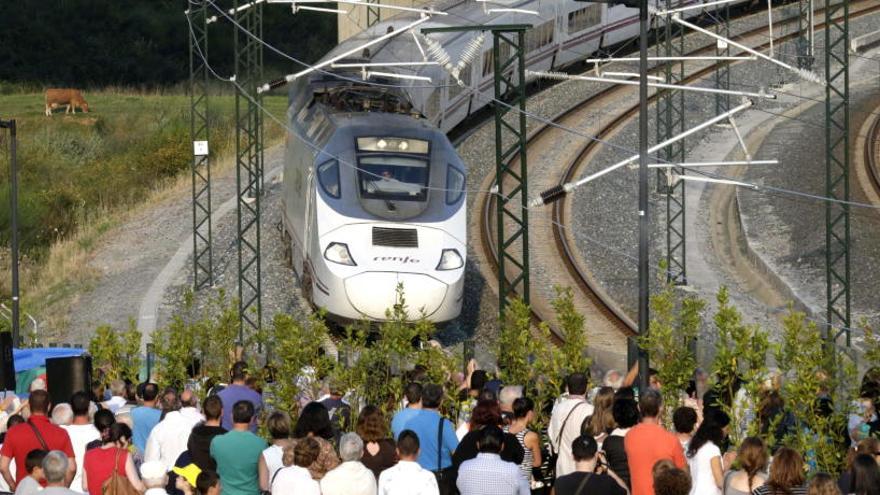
527	356
870	345
515	344
117	354
674	325
377	373
818	389
740	359
571	325
174	346
299	359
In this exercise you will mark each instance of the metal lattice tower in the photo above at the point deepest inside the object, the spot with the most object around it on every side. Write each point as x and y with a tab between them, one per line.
722	70
508	57
248	157
373	14
512	217
203	258
259	98
837	227
671	122
805	34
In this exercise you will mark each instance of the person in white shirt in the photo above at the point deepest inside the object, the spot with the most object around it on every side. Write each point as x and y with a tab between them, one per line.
568	415
704	454
169	438
117	396
190	406
154	477
295	477
270	462
407	477
81	432
351	477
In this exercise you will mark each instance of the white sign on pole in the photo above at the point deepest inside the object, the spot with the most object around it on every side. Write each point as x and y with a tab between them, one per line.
722	45
200	148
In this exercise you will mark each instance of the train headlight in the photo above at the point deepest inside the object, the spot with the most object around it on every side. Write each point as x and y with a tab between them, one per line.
337	252
450	260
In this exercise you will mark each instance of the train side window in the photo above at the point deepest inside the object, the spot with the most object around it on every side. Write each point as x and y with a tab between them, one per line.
488	63
328	177
581	19
454	185
540	36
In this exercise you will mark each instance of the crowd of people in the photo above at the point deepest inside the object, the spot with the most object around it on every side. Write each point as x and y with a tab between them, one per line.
600	440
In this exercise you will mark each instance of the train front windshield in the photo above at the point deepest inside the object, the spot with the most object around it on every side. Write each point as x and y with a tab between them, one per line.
393	177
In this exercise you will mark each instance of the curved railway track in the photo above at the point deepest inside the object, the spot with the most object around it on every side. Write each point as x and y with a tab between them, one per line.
609	326
872	154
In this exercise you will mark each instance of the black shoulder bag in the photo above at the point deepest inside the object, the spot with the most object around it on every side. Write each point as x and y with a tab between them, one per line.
445	477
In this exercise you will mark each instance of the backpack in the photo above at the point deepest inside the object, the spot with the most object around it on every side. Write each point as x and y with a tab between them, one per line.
117	484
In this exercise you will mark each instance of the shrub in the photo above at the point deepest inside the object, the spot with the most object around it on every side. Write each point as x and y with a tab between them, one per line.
740	353
117	354
675	323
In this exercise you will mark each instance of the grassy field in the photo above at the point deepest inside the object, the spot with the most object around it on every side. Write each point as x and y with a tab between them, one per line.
80	174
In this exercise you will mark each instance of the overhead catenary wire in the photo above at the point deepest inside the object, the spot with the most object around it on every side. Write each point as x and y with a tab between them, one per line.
543	120
803	73
576	233
292	77
729	163
556	193
562	76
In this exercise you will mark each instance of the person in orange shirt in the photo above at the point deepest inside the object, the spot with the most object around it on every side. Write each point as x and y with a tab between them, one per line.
648	442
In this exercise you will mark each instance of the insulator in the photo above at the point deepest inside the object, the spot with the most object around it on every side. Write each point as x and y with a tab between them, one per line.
437	52
811	76
562	76
470	52
555	193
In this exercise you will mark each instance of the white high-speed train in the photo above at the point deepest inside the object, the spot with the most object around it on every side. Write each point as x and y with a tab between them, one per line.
377	197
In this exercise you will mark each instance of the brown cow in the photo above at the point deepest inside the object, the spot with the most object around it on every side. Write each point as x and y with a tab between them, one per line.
70	98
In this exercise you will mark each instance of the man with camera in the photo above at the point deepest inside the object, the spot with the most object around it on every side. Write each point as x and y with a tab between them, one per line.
590	475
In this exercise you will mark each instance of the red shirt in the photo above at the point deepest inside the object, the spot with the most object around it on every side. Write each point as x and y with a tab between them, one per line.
646	444
21	439
98	466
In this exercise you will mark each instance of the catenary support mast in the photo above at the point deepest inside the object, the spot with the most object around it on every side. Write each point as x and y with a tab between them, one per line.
203	259
248	158
837	226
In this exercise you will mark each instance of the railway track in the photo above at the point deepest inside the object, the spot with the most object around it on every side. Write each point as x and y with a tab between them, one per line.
605	113
872	154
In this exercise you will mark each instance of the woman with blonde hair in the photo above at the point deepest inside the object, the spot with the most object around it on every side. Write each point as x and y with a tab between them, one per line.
752	460
601	423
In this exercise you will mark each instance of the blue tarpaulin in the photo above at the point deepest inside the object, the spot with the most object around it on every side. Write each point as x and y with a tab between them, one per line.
26	359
